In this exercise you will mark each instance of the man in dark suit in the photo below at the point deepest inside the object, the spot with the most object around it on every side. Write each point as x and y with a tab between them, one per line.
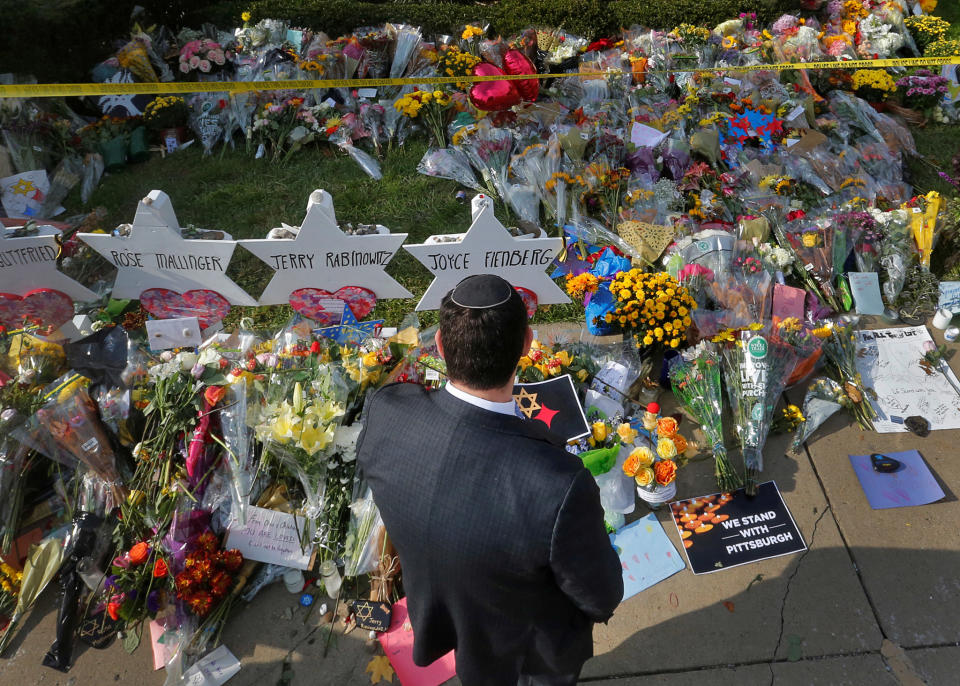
499	530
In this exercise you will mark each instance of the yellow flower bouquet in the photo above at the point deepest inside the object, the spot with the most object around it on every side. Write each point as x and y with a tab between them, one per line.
653	307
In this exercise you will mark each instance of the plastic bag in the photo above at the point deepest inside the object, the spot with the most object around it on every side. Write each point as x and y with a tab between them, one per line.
366	161
449	163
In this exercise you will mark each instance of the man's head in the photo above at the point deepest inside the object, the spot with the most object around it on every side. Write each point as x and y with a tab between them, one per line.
483	332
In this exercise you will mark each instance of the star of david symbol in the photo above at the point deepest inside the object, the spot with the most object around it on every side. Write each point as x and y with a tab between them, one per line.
364	611
527	402
23	187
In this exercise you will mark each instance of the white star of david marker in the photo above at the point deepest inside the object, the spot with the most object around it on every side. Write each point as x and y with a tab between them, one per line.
322	256
488	248
30	262
156	255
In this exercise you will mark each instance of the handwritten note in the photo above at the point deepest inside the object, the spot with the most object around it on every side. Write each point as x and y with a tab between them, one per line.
889	362
270	536
911	484
949	296
213	669
866	292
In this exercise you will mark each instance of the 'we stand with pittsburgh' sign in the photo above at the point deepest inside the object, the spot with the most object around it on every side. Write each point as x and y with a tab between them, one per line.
731	529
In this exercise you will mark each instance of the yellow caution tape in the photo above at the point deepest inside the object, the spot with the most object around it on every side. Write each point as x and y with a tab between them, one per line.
55	90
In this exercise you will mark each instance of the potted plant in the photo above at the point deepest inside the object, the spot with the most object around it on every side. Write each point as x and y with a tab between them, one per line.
167	117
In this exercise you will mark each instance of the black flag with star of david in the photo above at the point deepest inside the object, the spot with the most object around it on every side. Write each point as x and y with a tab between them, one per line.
553	402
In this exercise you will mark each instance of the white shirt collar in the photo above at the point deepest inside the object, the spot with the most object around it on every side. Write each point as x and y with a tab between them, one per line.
501	408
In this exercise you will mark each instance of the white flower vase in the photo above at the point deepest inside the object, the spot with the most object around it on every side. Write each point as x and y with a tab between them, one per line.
658	495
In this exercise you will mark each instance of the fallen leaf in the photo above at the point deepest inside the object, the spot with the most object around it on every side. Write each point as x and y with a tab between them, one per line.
380	668
727	604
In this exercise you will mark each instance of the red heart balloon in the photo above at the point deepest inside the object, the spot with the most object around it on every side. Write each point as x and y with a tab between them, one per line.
45	306
310	303
515	62
493	96
209	307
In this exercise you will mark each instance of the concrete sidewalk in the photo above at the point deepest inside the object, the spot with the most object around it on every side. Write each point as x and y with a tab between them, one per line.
873	601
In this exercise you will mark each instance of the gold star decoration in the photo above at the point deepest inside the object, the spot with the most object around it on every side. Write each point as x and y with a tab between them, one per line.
380	668
528	408
364	611
23	187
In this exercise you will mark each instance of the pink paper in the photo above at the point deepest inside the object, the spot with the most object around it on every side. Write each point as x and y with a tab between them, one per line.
397	643
788	301
162	652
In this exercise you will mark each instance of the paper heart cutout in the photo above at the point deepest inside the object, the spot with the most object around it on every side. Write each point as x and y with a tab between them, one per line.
529	299
493	96
515	62
209	307
45	306
309	302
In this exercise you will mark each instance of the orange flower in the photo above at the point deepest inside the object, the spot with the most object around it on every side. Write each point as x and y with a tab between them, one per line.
214	394
665	472
113	610
138	553
667	427
681	444
159	568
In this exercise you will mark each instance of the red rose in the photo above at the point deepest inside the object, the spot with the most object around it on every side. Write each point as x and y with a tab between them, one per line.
160	569
113	609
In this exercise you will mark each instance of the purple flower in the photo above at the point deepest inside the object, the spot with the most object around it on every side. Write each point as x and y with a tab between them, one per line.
110	582
153	602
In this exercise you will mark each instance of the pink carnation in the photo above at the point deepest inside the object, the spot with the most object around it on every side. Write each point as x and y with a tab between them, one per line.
204	66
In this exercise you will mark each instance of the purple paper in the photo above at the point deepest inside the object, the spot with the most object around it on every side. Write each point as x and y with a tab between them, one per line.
912	484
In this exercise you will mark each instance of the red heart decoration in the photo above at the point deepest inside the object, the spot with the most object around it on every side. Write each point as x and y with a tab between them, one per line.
515	62
309	303
45	306
529	299
209	307
493	96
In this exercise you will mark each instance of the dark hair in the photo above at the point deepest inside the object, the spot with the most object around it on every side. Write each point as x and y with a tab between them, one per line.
483	346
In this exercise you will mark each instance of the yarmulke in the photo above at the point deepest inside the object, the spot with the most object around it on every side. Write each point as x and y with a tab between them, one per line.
481	291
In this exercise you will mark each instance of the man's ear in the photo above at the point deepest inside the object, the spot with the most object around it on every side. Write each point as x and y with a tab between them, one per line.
436	337
527	340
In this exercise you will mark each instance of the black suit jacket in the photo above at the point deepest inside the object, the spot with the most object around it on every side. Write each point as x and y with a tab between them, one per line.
499	530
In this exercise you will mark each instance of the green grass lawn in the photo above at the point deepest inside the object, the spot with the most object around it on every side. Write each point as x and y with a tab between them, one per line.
247	197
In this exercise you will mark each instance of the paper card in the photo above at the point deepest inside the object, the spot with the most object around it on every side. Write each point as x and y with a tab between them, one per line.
646	555
295	38
889	363
270	536
23	194
865	287
398	645
912	484
788	301
613	375
727	530
555	403
949	296
644	136
731	82
367	92
164	644
214	669
183	332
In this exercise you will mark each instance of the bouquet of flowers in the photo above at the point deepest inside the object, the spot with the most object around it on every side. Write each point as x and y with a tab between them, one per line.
824	397
139	585
286	126
543	362
654	475
653	307
488	148
433	107
812	244
756	367
840	347
166	112
10	580
452	61
695	380
203	56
